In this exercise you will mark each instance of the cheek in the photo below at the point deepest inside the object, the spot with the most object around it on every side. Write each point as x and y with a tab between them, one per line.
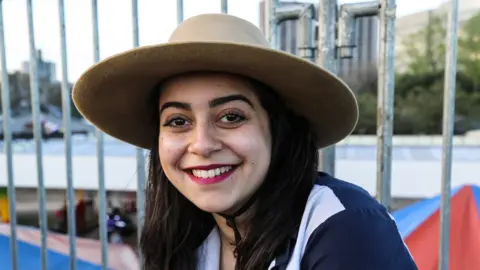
170	149
255	146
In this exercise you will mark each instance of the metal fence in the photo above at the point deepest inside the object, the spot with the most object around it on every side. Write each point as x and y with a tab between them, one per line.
336	39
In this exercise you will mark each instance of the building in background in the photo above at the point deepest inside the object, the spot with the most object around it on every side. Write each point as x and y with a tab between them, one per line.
46	70
365	55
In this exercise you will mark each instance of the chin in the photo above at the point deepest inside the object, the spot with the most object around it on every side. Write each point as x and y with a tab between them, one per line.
213	205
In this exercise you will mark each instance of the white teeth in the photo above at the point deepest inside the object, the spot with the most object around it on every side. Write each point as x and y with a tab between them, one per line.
211	173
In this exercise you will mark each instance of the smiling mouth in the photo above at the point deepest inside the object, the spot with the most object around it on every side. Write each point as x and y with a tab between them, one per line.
212	172
211	175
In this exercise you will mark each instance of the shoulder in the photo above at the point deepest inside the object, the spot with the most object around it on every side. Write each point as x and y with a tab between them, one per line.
350	195
331	196
344	221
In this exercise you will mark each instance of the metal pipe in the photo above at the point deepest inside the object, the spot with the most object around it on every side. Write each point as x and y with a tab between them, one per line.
67	134
276	30
141	170
287	36
102	193
448	125
348	15
271	26
224	6
179	11
327	20
306	33
37	130
386	94
7	139
285	13
140	198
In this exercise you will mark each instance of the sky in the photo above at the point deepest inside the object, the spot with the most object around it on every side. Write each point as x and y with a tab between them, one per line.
157	19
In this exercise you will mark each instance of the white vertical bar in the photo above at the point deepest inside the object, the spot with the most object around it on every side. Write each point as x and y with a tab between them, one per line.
67	134
448	124
386	92
102	215
141	173
37	131
7	138
327	22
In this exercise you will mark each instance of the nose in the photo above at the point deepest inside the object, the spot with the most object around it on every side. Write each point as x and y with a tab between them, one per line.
204	142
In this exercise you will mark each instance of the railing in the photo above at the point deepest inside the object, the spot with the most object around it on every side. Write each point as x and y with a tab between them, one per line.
330	46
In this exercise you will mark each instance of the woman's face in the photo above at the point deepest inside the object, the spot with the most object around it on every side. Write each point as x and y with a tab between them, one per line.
214	140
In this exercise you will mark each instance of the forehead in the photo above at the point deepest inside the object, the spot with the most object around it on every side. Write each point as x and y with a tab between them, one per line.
205	86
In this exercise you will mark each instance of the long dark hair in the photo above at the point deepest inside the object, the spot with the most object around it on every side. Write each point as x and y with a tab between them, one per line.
175	228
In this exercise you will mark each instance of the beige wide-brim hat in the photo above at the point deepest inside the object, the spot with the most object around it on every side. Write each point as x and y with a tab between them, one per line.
115	94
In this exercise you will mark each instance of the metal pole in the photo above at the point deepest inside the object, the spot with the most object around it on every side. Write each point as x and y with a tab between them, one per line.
386	91
7	138
141	170
102	194
306	33
348	15
67	133
37	130
179	11
448	124
291	13
224	6
271	27
304	17
327	21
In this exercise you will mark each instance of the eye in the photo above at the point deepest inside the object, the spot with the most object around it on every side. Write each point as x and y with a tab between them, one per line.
176	122
231	118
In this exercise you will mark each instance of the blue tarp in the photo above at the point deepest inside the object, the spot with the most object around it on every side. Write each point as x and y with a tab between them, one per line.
29	257
412	216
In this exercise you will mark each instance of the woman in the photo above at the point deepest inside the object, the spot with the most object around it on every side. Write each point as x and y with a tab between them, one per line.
233	128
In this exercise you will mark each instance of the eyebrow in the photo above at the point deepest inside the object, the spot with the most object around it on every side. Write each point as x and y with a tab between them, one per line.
212	103
222	100
175	104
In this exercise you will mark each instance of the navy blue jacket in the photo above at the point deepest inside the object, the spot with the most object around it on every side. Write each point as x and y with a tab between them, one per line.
356	233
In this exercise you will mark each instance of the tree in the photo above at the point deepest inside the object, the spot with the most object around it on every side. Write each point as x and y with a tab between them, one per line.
425	53
425	49
367	106
419	90
469	51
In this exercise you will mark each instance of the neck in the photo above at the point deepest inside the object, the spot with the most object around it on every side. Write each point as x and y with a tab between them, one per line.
233	223
227	232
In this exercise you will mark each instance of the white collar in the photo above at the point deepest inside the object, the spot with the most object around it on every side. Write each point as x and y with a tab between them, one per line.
209	252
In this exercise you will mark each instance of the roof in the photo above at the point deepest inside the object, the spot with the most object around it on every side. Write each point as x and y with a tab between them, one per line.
416	170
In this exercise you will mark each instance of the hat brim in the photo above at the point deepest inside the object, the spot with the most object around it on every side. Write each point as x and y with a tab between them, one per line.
115	94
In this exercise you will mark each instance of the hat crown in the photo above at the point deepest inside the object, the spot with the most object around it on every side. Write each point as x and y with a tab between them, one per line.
219	28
